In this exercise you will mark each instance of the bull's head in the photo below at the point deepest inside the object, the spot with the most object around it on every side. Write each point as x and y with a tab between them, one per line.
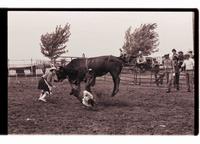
61	74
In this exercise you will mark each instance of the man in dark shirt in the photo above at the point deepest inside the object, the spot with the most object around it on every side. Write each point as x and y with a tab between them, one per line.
176	73
176	70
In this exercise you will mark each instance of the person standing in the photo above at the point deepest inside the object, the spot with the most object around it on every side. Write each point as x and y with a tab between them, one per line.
188	63
155	69
168	67
176	72
140	64
83	55
174	54
180	58
191	54
140	60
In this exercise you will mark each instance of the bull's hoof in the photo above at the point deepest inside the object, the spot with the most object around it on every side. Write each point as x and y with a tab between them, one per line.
74	92
114	93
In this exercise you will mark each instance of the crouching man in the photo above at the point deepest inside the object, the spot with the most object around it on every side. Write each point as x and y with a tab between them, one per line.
45	83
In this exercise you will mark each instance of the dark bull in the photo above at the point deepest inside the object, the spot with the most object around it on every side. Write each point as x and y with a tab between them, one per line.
87	69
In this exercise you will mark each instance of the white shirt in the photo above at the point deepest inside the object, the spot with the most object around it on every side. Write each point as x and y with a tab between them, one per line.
188	63
86	96
141	59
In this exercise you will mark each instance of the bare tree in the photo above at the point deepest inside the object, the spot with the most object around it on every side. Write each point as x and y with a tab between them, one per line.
53	44
143	39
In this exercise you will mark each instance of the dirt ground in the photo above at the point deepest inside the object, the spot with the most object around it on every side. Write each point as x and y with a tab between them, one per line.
135	110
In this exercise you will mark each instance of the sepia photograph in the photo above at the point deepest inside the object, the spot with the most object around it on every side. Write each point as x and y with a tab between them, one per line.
102	71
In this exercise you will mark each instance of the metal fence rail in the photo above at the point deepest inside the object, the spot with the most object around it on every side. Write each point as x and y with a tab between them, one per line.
128	75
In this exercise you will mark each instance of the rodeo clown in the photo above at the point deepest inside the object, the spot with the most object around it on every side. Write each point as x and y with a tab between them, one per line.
88	99
45	83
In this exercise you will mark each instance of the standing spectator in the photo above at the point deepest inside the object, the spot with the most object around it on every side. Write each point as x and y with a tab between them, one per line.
188	63
174	54
155	68
83	55
140	64
176	74
180	58
43	68
141	60
168	66
191	54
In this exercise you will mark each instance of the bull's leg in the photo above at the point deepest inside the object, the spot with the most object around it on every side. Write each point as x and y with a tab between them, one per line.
116	80
72	88
75	89
87	87
77	92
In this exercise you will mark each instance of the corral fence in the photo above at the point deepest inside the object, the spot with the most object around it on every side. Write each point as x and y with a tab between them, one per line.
130	77
32	67
36	68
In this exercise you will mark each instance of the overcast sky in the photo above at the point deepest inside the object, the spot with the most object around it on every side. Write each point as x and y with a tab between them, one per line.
95	33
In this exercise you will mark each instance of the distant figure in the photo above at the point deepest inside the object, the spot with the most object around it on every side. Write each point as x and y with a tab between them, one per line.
155	68
33	69
45	83
83	55
176	72
43	68
188	63
140	64
191	54
141	60
180	58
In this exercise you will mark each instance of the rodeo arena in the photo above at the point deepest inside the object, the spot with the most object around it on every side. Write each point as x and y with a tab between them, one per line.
102	95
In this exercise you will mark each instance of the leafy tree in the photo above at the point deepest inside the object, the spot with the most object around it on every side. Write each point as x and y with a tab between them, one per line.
53	44
143	39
